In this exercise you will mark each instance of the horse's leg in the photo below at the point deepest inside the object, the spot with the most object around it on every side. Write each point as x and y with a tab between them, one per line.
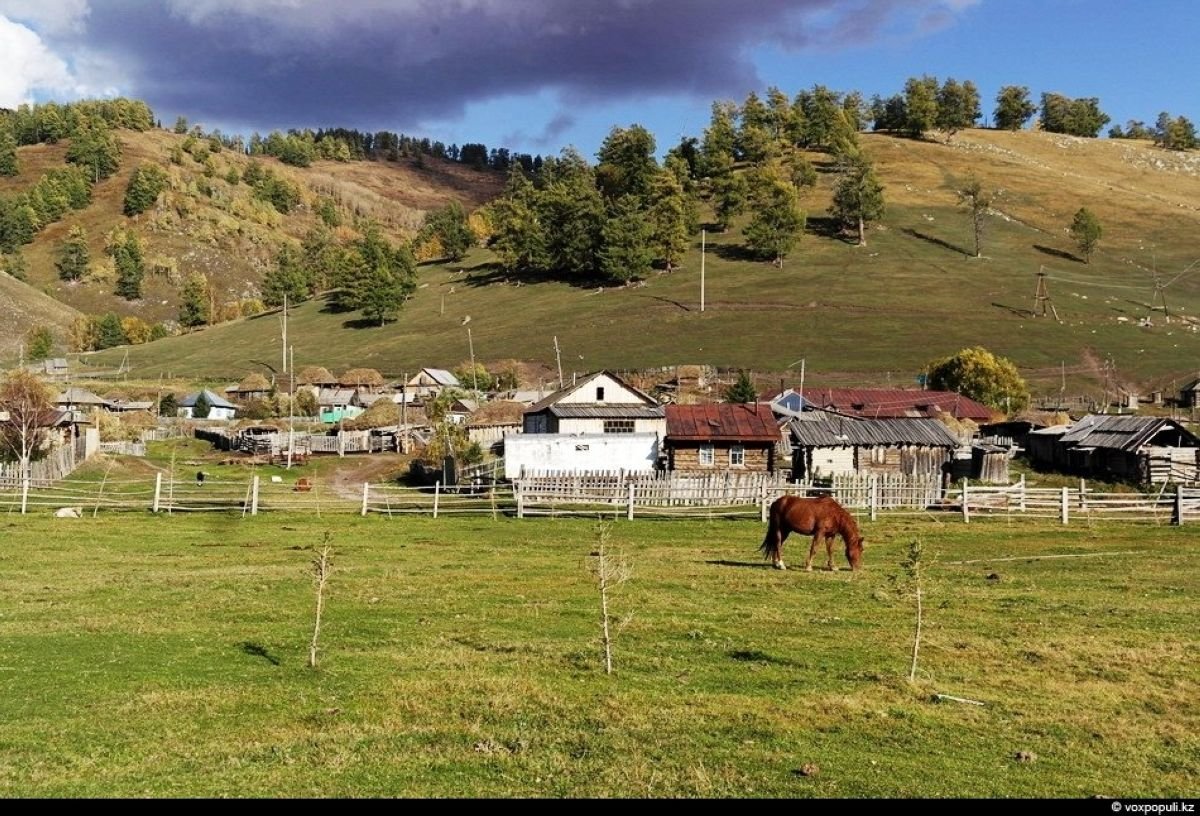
780	534
812	551
829	553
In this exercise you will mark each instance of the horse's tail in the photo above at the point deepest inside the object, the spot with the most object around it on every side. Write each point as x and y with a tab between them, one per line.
769	547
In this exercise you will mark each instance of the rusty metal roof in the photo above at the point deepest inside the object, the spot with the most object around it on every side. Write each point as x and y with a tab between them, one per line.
888	403
732	422
846	432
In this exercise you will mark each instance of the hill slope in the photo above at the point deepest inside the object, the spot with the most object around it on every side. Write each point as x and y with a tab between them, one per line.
879	312
203	223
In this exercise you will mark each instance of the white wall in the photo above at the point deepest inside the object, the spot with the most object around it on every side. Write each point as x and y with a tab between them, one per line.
213	413
556	452
614	394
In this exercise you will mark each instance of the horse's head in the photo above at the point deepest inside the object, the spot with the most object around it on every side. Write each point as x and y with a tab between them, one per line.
854	549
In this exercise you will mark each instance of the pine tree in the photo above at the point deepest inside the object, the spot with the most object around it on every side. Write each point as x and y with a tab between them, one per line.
95	148
145	186
1086	230
977	201
742	390
109	332
778	221
920	105
668	218
729	193
9	165
73	255
858	197
626	253
627	165
285	278
39	343
127	257
194	307
450	225
1013	108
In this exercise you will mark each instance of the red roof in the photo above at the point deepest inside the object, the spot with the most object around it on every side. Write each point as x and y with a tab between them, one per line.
727	422
884	403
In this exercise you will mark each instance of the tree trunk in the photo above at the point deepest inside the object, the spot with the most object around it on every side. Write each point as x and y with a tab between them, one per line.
862	233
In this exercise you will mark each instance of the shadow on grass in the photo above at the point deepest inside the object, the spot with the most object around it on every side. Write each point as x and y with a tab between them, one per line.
683	306
1057	253
1015	310
736	252
482	275
828	227
258	650
930	239
755	656
747	564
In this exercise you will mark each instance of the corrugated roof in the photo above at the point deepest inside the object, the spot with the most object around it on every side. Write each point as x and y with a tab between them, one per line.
214	401
442	377
852	432
1127	433
884	403
730	422
335	396
606	411
80	396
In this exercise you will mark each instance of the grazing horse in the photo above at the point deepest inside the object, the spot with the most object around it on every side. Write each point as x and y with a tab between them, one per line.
822	518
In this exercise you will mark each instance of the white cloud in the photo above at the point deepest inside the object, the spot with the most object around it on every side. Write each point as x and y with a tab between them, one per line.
51	17
26	65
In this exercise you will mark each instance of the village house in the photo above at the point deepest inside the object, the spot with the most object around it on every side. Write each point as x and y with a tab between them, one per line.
1144	450
835	445
599	423
218	407
337	404
428	383
1189	395
253	387
81	400
724	436
52	369
493	421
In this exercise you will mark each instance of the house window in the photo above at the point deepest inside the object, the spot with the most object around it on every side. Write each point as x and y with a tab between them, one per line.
737	456
707	455
599	395
618	426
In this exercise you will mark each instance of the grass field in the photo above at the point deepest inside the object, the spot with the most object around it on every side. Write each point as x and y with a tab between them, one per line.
144	656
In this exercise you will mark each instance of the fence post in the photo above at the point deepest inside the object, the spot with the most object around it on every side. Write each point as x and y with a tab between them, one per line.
629	514
1066	502
519	495
762	502
342	446
157	490
437	492
1022	494
874	496
966	508
366	496
254	495
1083	495
1178	514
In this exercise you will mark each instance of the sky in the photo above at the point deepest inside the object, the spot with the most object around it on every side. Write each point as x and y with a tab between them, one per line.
538	75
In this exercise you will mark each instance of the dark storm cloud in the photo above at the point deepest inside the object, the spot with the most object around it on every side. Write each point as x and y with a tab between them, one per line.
281	63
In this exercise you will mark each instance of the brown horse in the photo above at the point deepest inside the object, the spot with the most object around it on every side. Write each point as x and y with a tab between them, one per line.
822	518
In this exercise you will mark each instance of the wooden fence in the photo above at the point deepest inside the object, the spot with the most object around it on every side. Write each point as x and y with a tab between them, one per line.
44	472
620	497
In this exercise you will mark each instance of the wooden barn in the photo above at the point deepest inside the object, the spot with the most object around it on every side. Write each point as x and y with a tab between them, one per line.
838	445
1145	450
726	436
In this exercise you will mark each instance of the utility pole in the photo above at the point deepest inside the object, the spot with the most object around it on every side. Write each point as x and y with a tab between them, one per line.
291	407
558	357
802	364
285	342
474	371
703	242
404	409
1041	297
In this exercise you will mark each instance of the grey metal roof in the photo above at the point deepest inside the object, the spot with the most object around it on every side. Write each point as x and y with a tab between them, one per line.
214	401
1126	433
442	377
607	411
853	432
558	396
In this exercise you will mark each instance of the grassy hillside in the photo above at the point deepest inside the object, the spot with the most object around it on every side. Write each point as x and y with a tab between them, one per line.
209	225
22	306
865	313
166	656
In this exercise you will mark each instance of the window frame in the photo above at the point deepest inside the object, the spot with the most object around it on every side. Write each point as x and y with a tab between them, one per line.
707	451
620	426
740	451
